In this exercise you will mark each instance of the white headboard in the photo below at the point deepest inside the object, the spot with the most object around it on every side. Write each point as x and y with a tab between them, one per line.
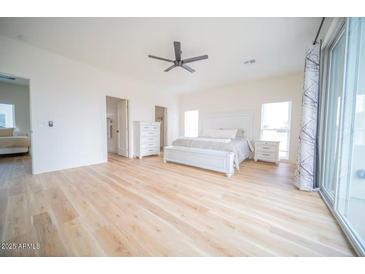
241	119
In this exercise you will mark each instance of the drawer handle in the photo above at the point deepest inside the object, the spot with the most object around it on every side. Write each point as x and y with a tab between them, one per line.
266	147
266	154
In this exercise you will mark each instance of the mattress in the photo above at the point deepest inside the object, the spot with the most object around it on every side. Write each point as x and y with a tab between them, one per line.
15	142
239	146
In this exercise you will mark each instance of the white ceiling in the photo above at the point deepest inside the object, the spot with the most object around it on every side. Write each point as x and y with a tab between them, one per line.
121	45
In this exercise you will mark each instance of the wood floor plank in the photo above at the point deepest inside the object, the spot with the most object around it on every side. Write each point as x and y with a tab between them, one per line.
61	206
80	241
3	208
48	236
132	207
17	220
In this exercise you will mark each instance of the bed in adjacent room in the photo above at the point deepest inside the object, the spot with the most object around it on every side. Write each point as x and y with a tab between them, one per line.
10	144
223	144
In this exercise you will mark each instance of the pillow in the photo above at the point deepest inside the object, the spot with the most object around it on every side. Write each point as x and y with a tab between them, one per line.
6	132
220	133
240	132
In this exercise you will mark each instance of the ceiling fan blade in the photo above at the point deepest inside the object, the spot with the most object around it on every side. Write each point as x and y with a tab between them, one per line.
160	58
187	68
177	47
170	68
193	59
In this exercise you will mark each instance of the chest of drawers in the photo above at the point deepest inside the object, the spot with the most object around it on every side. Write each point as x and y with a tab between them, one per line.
267	151
146	137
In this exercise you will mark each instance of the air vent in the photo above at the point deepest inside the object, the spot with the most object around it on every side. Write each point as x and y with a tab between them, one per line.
250	62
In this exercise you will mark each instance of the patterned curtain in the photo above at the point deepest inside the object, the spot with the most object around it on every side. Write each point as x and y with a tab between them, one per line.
307	156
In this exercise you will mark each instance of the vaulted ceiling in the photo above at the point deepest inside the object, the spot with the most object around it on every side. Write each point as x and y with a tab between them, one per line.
121	45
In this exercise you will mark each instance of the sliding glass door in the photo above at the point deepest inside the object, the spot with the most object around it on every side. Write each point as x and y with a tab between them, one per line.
343	172
333	110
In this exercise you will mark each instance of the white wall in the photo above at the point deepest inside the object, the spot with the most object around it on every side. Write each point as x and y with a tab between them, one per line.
72	95
17	95
250	95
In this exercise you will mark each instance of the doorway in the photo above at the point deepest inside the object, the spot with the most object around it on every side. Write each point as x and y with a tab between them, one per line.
15	127
117	126
161	116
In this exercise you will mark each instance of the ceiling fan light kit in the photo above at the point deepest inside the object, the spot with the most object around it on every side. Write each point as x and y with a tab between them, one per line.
178	62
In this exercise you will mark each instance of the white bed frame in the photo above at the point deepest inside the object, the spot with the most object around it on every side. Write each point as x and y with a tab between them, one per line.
221	161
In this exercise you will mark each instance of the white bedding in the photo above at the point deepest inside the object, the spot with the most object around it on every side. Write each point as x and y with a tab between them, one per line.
239	146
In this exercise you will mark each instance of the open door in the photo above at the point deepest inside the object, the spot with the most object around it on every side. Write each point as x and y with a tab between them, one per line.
161	116
123	128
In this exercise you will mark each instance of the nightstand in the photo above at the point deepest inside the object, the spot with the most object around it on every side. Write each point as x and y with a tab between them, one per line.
267	151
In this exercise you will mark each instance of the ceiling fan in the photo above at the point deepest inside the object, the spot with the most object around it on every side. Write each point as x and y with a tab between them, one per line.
178	62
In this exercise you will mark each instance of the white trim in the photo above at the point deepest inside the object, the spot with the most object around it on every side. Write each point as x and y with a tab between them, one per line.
333	30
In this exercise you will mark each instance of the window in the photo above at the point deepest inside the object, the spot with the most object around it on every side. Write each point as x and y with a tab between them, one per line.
275	125
334	99
7	119
191	123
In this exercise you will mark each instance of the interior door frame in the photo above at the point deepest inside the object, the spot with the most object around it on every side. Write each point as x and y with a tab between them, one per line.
31	132
127	129
165	124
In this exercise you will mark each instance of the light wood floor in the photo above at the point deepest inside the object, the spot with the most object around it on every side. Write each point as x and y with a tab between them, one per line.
147	208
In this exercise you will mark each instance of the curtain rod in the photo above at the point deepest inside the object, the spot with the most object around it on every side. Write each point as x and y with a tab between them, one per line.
319	30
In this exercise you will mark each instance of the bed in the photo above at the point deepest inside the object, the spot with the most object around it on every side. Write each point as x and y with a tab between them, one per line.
222	151
10	144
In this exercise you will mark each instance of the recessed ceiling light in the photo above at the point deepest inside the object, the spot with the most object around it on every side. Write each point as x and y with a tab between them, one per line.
250	62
